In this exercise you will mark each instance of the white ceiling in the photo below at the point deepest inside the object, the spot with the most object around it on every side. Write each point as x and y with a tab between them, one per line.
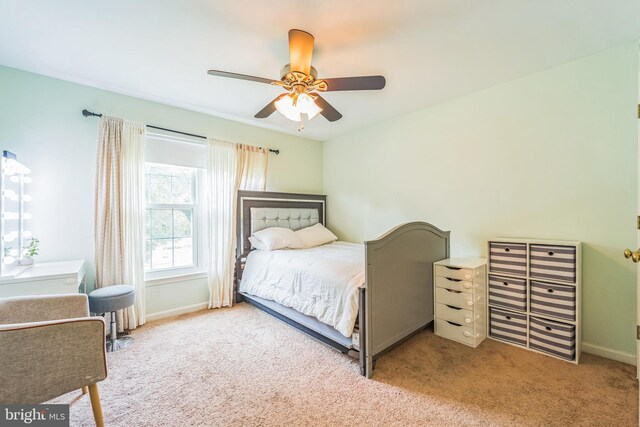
429	51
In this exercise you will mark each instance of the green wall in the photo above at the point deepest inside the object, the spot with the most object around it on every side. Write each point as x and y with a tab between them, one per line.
551	155
41	121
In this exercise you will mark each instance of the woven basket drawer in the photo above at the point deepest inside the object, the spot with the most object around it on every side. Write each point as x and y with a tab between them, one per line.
551	337
553	262
508	258
507	326
553	300
508	292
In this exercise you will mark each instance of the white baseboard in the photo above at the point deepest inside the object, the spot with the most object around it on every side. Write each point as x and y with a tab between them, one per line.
609	354
176	311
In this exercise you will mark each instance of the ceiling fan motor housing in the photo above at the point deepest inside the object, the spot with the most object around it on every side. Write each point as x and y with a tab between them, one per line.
299	82
286	71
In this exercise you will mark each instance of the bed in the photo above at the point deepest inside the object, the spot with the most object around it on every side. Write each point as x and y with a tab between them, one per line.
387	303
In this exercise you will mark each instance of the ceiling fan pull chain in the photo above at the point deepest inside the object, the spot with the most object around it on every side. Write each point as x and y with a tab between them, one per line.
301	125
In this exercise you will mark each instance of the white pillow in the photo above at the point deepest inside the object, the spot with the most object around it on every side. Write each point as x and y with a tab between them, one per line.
315	235
277	238
257	244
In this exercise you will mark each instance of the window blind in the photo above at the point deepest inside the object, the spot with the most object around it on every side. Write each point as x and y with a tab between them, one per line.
175	150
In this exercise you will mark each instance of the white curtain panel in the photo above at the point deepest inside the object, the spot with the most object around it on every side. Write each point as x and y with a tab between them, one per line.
222	180
230	167
133	213
119	212
253	163
108	214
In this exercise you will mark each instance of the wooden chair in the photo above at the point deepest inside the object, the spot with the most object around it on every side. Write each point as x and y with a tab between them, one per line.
50	346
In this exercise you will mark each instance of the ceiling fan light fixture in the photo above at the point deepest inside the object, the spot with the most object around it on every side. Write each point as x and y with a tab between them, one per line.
304	104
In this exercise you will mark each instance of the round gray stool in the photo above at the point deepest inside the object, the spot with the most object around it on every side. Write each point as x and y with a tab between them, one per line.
109	300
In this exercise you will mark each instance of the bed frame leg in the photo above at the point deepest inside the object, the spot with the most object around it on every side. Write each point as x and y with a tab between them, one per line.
366	365
369	367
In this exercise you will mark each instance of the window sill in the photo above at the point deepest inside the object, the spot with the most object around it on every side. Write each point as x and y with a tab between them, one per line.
177	278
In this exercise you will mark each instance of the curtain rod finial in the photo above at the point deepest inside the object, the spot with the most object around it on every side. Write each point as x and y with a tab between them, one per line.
88	113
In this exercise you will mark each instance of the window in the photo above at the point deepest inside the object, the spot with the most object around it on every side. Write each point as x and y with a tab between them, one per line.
171	217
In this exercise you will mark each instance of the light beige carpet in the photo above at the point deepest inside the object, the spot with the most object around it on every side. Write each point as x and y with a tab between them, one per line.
240	366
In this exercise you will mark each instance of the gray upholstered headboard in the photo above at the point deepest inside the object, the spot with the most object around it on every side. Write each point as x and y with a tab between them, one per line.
262	209
291	218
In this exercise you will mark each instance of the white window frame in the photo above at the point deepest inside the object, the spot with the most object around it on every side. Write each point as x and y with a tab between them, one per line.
196	217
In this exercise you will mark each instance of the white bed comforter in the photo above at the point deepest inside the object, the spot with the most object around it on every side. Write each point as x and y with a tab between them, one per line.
321	282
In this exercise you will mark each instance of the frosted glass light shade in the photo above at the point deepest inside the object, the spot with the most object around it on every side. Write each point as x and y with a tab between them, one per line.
305	105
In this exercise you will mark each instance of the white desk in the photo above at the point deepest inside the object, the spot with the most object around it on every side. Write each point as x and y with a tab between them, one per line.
66	277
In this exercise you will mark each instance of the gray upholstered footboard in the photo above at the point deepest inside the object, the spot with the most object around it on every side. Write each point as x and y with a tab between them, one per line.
399	285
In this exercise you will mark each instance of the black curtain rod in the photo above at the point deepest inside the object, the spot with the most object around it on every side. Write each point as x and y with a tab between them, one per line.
88	113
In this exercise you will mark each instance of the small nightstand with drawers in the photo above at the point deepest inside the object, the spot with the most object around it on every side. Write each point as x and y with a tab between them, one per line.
459	299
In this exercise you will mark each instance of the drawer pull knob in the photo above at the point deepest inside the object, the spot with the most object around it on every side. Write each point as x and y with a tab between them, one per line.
468	319
453	308
505	283
548	328
550	253
467	334
507	250
469	302
508	317
550	291
453	280
467	285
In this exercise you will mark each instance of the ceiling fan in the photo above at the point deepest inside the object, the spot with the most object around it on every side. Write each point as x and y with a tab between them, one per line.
301	82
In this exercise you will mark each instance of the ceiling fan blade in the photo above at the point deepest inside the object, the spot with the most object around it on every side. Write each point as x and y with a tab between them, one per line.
300	50
239	76
328	111
269	108
355	83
